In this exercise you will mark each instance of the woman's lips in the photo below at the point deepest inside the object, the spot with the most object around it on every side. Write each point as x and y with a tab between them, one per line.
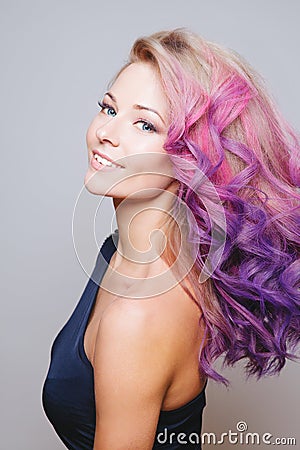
98	166
102	155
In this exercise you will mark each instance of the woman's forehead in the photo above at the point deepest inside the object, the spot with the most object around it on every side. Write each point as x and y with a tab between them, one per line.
140	83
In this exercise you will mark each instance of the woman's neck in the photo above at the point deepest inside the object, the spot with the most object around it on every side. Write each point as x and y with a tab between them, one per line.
140	222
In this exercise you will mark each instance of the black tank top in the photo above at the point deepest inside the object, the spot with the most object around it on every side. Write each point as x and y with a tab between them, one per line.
68	391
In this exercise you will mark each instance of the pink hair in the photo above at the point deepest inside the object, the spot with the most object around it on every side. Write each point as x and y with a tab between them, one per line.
223	122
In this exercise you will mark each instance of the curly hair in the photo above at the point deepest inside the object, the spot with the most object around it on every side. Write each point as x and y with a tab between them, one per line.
231	149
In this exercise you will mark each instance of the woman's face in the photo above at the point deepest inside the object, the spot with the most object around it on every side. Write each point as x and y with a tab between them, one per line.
130	129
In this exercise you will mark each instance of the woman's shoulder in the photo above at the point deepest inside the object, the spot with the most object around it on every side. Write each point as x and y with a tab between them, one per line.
171	318
143	315
131	331
154	337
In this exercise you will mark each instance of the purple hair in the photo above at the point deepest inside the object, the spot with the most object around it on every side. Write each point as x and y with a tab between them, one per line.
224	124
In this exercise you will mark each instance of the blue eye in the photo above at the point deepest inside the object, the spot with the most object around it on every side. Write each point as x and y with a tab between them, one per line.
109	110
147	126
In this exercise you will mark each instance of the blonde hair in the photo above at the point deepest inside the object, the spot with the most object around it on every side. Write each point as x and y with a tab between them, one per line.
226	124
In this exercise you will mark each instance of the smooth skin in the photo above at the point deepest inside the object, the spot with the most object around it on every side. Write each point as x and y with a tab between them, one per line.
143	349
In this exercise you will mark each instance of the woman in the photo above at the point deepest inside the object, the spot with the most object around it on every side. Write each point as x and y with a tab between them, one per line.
203	173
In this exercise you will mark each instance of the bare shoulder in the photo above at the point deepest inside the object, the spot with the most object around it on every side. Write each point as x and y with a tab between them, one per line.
131	375
158	312
135	362
162	324
137	323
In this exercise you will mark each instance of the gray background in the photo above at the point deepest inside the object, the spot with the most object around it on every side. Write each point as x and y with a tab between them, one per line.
57	58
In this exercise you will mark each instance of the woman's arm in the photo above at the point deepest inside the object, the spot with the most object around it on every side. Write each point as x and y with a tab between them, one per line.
132	372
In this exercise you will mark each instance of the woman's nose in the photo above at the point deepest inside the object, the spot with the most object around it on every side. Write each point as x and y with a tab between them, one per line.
108	133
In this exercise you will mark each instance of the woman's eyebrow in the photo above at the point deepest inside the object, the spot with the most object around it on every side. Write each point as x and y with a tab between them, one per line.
111	96
137	106
149	109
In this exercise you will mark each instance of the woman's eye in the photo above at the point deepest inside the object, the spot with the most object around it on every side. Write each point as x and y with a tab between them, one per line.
147	126
107	108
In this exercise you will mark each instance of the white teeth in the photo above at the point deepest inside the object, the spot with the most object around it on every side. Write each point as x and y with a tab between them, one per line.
104	161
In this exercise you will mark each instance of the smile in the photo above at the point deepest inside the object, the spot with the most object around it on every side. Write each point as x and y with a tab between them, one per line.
105	161
100	163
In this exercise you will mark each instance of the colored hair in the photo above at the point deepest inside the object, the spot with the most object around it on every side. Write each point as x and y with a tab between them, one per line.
231	149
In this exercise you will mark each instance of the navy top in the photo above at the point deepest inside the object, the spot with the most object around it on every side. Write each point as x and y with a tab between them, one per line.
68	391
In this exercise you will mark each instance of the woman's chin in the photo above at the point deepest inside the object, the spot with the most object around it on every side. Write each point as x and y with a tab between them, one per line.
91	184
94	185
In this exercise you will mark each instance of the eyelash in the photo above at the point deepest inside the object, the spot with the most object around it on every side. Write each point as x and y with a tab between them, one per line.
146	122
104	105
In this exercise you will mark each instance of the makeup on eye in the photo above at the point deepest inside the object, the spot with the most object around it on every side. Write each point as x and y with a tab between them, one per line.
105	106
151	127
137	106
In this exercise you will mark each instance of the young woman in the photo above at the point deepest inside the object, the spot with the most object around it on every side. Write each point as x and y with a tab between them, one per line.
204	176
